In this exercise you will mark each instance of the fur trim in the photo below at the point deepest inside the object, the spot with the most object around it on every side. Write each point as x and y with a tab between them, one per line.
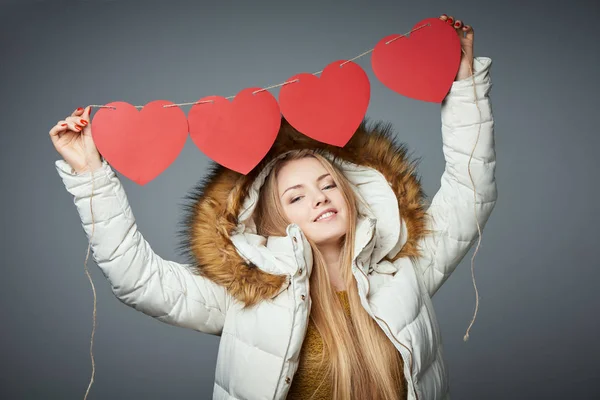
215	202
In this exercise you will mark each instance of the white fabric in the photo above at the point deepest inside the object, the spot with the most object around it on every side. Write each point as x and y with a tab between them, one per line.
259	347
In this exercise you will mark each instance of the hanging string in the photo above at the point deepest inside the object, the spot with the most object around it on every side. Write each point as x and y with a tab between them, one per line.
466	336
279	84
87	272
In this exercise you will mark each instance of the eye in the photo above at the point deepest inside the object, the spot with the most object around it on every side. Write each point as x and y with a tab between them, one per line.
295	199
331	185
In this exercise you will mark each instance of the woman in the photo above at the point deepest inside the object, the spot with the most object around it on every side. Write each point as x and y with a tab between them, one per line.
317	268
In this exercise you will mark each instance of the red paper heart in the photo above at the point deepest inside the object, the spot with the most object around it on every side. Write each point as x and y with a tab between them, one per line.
330	108
422	66
140	144
236	134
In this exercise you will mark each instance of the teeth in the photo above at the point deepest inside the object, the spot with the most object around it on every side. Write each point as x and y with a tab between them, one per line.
327	214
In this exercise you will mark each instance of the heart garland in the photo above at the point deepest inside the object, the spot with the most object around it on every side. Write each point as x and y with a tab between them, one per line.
238	134
421	66
328	109
140	144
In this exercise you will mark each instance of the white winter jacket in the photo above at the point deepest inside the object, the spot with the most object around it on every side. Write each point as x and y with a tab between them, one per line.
405	249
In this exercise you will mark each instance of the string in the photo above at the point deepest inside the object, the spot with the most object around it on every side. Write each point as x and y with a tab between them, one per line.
466	336
279	84
90	279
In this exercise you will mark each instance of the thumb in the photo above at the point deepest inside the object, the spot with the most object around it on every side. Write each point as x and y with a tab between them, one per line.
87	116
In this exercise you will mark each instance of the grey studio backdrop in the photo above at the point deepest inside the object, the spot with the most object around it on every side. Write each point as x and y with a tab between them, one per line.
537	271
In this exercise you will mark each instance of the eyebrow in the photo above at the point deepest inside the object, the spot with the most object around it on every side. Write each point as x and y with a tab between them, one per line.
300	185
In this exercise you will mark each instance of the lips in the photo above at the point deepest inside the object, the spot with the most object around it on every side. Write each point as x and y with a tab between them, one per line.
324	212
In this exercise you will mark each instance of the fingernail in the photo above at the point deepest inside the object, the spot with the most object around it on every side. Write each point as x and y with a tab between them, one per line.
77	128
83	121
457	24
444	15
79	109
63	124
450	20
90	110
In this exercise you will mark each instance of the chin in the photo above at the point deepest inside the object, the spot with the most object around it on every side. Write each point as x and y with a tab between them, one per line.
333	236
327	232
331	240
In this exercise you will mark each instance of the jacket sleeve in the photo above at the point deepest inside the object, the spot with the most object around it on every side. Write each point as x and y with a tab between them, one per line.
139	278
451	214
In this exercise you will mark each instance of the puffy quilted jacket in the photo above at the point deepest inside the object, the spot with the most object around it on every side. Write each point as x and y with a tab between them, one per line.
405	249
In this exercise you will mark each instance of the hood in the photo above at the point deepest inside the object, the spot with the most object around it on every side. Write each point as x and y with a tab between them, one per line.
218	235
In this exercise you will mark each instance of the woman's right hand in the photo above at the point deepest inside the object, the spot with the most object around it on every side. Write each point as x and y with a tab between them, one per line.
72	138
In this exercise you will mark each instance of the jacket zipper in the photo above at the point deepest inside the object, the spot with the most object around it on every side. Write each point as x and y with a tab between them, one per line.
281	377
293	319
389	334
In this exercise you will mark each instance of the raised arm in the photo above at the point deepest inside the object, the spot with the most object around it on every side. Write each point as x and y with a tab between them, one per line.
163	289
452	212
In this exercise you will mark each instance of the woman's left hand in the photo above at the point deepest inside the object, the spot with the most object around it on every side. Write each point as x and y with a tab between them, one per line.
466	43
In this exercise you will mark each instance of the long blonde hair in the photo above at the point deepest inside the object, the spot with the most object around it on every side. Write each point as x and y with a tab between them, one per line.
360	360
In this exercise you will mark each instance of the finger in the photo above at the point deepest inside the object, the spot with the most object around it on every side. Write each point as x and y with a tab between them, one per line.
72	125
78	122
450	20
458	25
468	30
60	127
87	114
443	17
87	118
77	112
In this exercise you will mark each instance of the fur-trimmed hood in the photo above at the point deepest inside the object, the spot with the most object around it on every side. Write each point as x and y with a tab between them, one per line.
218	235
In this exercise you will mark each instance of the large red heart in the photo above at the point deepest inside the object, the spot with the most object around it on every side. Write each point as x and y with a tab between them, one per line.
236	134
140	144
422	66
330	108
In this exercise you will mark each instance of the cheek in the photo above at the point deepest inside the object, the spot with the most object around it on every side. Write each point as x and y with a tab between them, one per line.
296	214
339	202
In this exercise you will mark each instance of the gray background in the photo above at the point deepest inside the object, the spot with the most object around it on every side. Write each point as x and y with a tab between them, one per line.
536	334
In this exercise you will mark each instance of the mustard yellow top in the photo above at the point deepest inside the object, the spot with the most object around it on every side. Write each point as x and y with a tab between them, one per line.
308	376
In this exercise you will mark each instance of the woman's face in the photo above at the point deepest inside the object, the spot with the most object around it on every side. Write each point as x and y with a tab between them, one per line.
311	199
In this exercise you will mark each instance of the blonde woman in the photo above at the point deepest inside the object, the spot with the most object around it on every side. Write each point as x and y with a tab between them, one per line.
317	268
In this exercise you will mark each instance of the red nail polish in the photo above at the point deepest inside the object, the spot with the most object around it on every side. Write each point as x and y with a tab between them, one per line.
450	20
457	24
79	108
63	124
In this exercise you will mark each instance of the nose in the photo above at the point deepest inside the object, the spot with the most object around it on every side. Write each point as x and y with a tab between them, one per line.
320	199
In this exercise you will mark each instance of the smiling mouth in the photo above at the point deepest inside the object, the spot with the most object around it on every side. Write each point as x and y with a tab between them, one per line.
329	215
